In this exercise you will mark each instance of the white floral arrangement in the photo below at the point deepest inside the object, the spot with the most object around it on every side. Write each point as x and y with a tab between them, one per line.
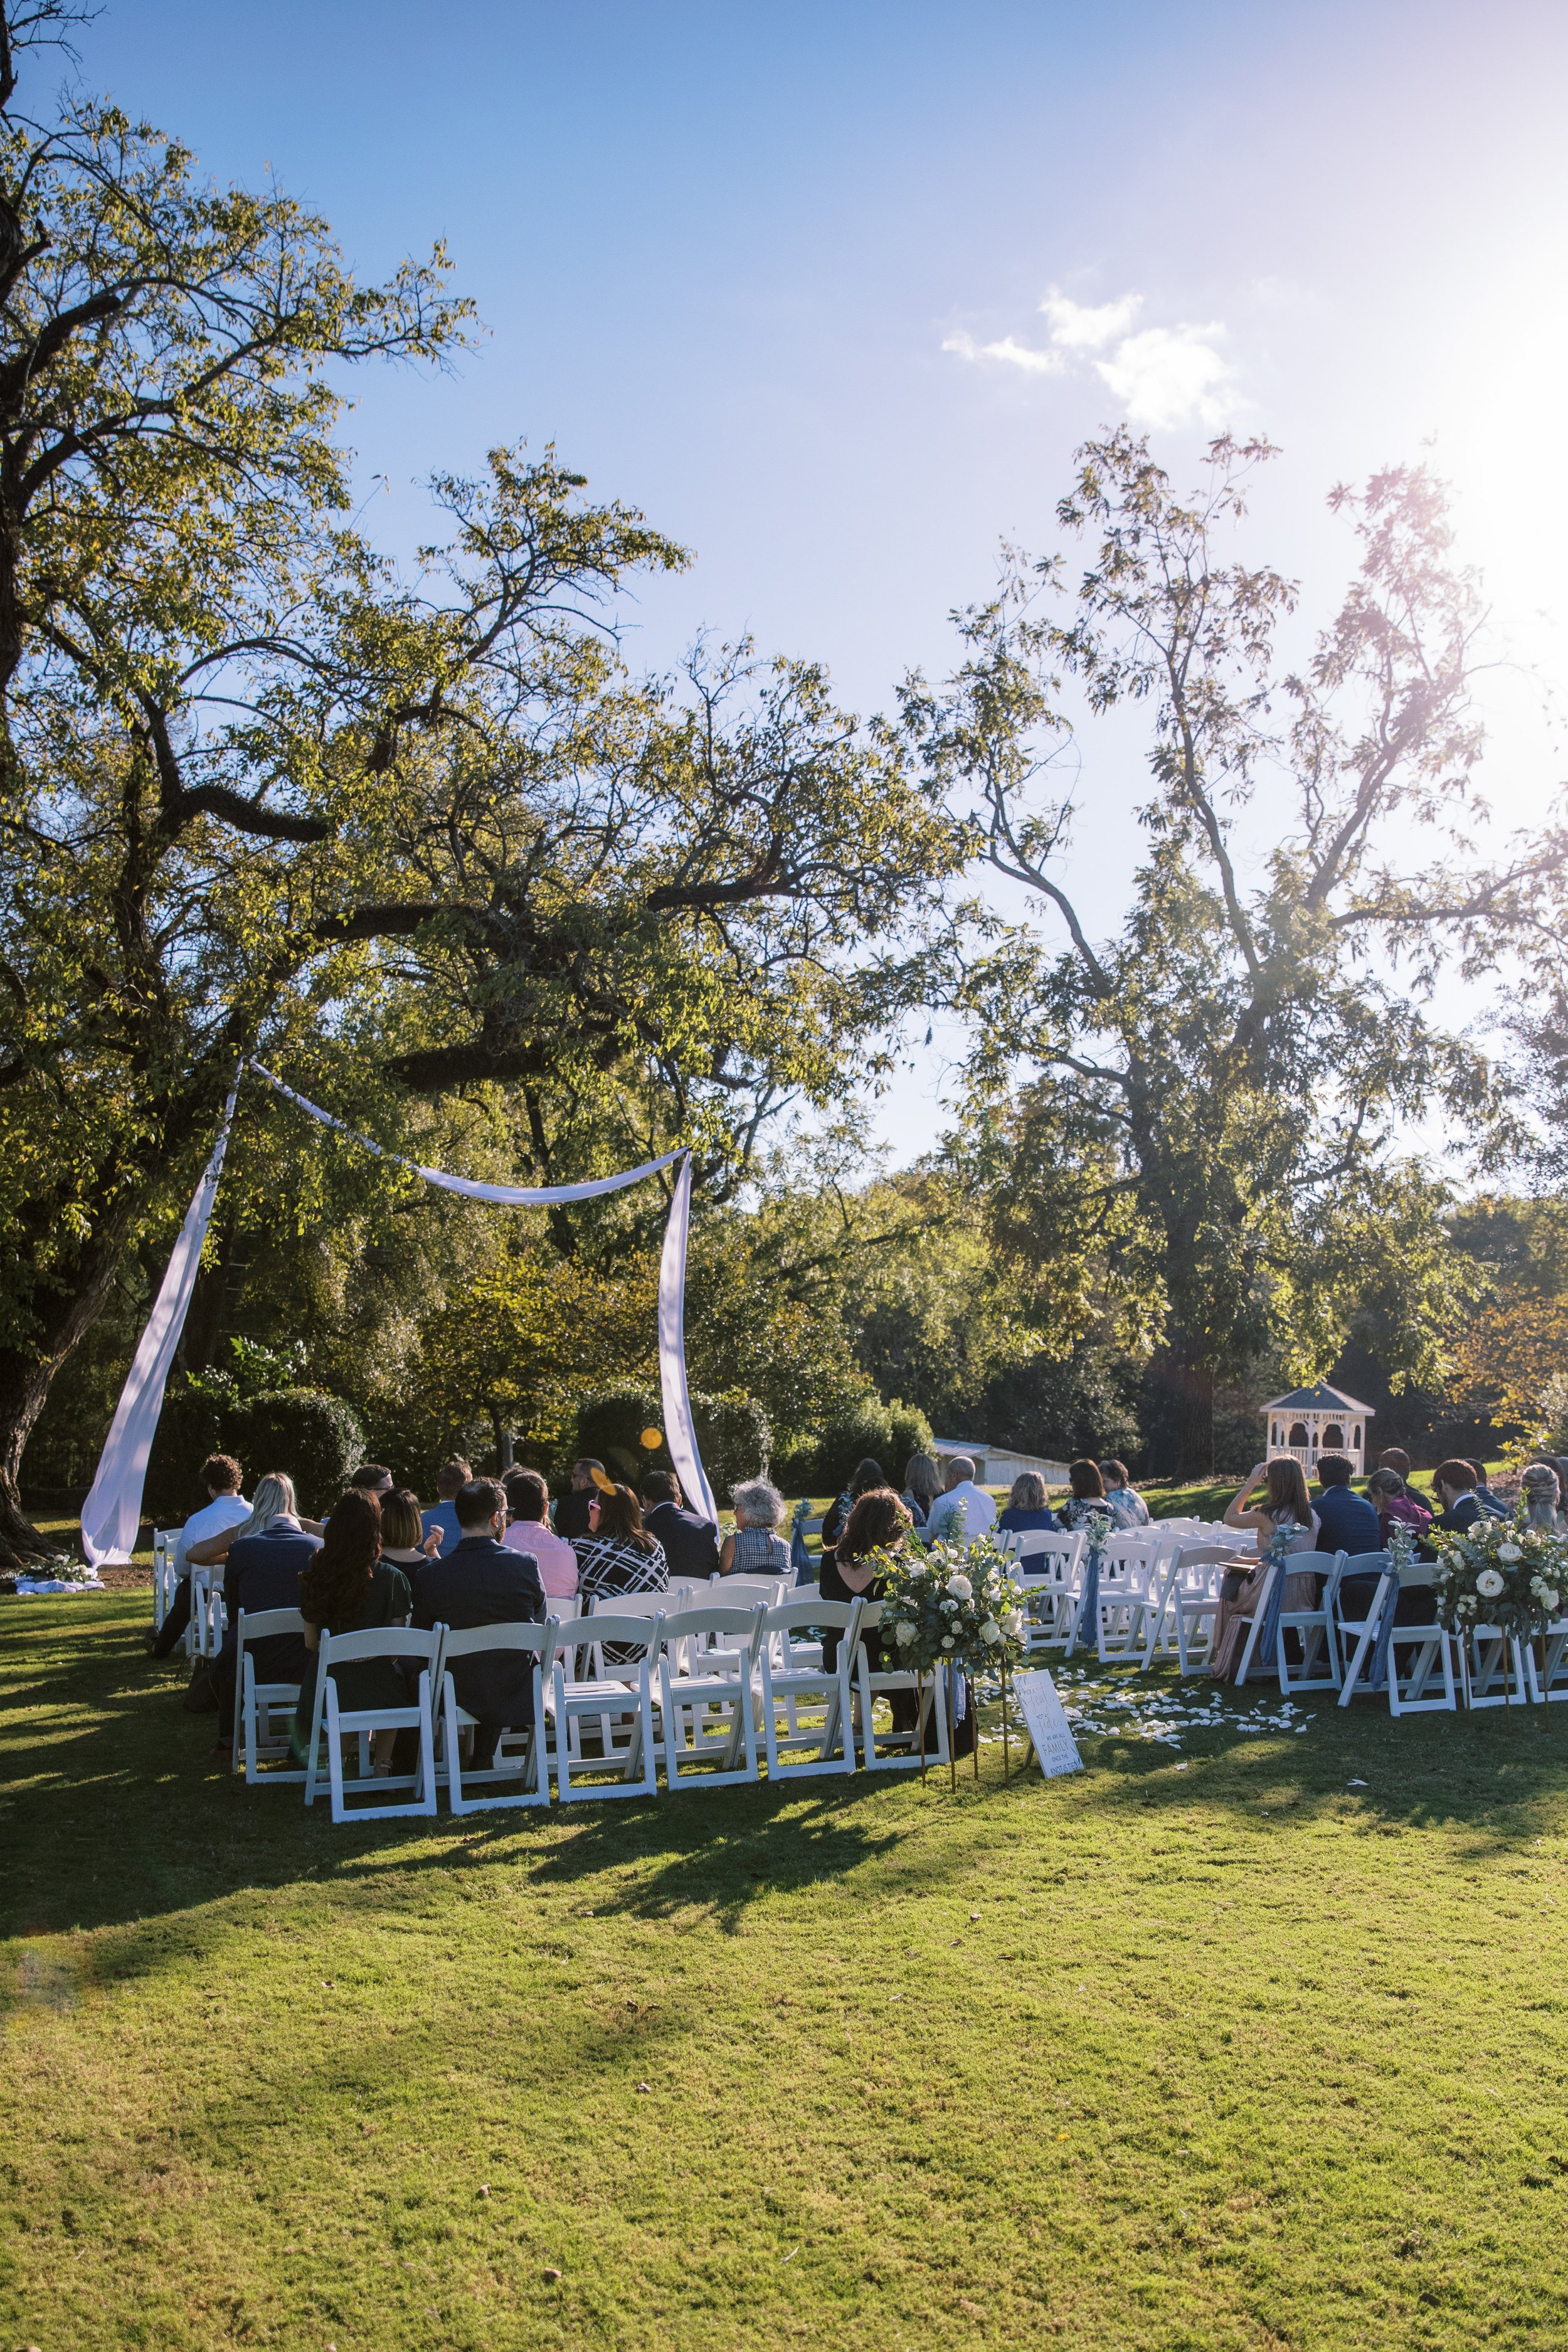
1496	1572
952	1605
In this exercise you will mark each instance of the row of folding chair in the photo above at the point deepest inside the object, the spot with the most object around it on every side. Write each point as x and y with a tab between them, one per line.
694	1686
205	1626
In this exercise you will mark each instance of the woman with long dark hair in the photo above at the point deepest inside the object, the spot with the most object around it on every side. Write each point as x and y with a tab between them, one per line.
879	1522
350	1589
1286	1513
868	1478
1086	1493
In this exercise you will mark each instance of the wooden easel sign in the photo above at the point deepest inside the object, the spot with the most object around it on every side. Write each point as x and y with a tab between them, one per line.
1050	1734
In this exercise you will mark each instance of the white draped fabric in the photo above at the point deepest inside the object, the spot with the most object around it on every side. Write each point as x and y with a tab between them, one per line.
112	1511
679	1434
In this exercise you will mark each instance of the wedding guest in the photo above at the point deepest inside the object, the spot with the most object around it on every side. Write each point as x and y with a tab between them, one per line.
879	1522
529	1531
1395	1505
1029	1506
922	1485
1395	1458
224	1509
690	1542
572	1510
484	1580
1128	1508
1542	1493
348	1588
1346	1521
403	1542
1489	1503
441	1518
1284	1513
1454	1484
868	1474
266	1554
757	1548
965	1512
618	1554
1086	1493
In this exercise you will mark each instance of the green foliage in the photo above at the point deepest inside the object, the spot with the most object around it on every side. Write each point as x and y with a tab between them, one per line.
732	1437
609	1428
315	1437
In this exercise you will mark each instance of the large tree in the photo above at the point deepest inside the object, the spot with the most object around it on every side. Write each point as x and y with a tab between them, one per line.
1248	1039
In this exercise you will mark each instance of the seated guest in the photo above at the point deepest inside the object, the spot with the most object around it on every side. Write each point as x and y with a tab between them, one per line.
484	1580
1541	1492
403	1542
370	1478
1086	1493
965	1512
1029	1506
868	1476
1346	1521
690	1542
348	1588
1489	1503
529	1531
1454	1484
223	1510
757	1548
441	1519
1128	1508
1285	1512
1395	1508
922	1485
878	1522
1395	1458
266	1556
572	1510
618	1555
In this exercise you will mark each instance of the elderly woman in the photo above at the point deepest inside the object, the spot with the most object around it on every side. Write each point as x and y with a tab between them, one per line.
757	1548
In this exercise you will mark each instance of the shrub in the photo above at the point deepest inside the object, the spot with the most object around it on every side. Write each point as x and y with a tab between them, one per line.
733	1438
191	1426
315	1437
609	1428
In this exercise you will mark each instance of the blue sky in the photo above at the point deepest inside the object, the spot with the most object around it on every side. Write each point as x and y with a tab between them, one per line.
775	274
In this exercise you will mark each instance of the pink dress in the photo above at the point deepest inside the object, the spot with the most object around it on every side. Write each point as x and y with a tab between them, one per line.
557	1560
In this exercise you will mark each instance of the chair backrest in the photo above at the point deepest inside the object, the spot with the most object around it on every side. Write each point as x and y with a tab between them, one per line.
378	1641
744	1592
260	1625
705	1626
472	1640
1046	1543
795	1616
1203	1556
643	1604
634	1633
1364	1564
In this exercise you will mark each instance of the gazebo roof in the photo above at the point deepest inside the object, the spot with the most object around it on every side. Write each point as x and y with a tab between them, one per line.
1319	1398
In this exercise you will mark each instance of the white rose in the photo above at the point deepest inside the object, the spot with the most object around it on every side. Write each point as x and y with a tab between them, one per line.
1013	1623
1548	1599
1510	1552
903	1633
947	1640
950	1608
1489	1583
991	1632
958	1584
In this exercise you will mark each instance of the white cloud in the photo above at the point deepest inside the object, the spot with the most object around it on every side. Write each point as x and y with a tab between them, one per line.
1076	328
1161	376
1015	353
1171	375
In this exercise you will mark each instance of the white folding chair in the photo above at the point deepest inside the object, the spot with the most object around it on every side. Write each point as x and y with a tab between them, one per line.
165	1576
1187	1600
335	1723
1357	1637
1128	1579
904	1749
790	1680
1551	1681
622	1694
1410	1676
1049	1570
1491	1667
1314	1629
667	1601
521	1767
705	1694
1252	1616
266	1709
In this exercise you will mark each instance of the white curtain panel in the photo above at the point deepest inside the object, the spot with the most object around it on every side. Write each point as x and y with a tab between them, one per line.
111	1514
112	1511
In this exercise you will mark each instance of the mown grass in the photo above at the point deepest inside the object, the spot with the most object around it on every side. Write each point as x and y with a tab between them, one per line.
1199	2050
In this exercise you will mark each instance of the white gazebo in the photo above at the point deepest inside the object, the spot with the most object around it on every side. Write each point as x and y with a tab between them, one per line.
1319	1420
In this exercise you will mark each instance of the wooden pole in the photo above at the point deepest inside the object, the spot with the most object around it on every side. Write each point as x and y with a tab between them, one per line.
1006	1751
952	1758
975	1720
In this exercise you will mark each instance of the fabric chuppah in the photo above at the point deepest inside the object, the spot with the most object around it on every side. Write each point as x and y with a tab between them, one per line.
111	1514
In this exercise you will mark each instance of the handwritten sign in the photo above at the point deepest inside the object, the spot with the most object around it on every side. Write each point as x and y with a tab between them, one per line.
1047	1727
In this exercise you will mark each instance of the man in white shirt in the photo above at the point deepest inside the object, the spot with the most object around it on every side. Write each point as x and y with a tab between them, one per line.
227	1508
965	1512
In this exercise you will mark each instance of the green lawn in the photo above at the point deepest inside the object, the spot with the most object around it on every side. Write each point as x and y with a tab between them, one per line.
1207	2048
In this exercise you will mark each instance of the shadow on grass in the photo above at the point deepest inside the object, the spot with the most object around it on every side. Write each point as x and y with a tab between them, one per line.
116	1814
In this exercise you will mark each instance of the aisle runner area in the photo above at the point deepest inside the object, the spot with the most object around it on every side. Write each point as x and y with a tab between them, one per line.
1099	1702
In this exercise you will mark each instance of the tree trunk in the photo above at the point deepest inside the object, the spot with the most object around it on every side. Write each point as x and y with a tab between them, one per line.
27	1376
1194	1424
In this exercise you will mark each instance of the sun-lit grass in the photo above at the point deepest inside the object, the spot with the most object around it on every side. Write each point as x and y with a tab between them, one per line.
1199	2048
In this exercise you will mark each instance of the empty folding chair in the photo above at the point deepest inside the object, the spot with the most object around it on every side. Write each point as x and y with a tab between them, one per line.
1192	1601
705	1694
1413	1653
794	1682
1491	1667
1049	1569
902	1748
332	1722
519	1770
1318	1667
1551	1681
165	1576
1112	1614
267	1701
1357	1621
620	1701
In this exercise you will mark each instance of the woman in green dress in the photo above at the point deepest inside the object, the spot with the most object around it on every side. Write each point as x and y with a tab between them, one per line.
350	1589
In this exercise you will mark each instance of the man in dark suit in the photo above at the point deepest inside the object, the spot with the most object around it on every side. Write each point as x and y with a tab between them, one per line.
572	1510
690	1542
262	1572
481	1581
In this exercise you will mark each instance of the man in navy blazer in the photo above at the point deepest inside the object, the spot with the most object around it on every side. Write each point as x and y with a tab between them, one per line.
690	1542
480	1582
